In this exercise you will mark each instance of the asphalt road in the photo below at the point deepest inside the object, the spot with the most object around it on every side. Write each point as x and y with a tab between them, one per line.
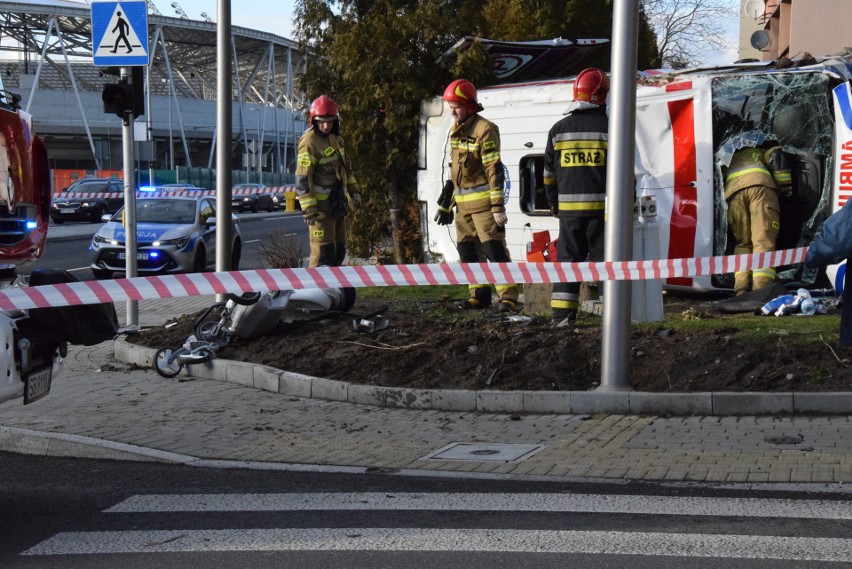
76	513
68	244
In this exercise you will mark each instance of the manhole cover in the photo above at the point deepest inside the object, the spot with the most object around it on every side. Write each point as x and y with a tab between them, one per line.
491	452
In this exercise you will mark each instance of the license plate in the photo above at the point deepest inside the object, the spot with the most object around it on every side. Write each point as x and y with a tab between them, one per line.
139	256
66	210
37	385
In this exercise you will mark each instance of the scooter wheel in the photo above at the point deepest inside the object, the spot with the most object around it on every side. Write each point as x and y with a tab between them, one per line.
209	331
163	366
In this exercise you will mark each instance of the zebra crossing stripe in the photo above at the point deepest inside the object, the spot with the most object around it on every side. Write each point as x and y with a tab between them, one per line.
518	502
450	540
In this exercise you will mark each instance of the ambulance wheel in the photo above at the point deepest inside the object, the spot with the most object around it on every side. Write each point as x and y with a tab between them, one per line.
163	366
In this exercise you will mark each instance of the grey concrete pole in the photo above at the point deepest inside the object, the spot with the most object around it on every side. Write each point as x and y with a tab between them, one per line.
615	345
130	244
224	233
150	123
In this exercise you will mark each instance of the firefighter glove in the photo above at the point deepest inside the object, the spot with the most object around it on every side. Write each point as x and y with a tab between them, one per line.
500	218
446	198
311	215
554	210
444	216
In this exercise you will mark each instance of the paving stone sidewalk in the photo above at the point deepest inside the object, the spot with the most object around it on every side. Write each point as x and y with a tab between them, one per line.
103	407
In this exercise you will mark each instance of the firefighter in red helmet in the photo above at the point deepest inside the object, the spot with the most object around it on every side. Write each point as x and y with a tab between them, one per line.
475	190
325	185
575	183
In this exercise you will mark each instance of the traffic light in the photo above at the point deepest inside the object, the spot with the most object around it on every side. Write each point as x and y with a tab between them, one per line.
125	96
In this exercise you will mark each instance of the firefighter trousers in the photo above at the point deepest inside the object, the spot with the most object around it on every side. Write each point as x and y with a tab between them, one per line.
480	239
580	239
328	241
754	215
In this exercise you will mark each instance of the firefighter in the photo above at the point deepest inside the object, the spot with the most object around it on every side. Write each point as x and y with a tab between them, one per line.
325	185
575	183
754	178
476	192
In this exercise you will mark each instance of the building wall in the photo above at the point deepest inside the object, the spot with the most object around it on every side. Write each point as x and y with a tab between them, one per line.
751	20
62	125
819	27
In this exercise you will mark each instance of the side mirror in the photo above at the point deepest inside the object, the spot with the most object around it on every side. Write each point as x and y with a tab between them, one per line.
106	217
210	222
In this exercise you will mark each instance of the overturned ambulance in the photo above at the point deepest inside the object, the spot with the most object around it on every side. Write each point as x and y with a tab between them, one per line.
688	124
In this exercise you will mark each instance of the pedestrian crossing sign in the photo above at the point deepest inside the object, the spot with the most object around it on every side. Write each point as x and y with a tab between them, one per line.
120	33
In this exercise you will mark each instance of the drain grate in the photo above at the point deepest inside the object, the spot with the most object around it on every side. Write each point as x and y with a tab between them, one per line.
485	452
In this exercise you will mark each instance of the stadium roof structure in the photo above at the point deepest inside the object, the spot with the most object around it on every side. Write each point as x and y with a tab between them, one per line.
59	33
46	58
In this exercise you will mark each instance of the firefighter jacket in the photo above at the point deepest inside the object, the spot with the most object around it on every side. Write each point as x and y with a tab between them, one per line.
575	163
475	166
323	172
756	167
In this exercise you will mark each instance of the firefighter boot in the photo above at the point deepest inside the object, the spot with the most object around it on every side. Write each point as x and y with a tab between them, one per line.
762	282
480	298
565	319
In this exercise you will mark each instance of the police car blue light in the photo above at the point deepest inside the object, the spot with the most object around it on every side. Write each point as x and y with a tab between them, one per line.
173	235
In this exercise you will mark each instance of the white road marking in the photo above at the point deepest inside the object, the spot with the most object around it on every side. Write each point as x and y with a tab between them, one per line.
535	502
450	540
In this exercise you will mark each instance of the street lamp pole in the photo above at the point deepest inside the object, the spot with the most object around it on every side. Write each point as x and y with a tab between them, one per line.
171	139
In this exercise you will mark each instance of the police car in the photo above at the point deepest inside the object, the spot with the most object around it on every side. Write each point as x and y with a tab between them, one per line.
173	235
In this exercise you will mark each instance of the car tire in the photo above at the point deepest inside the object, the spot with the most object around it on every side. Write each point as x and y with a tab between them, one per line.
101	274
254	207
236	255
199	262
58	221
241	209
271	207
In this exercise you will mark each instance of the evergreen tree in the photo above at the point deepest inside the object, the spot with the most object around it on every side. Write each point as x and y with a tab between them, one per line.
378	59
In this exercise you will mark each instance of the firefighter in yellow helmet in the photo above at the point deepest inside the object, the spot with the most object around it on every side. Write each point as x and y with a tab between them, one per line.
476	191
325	185
753	181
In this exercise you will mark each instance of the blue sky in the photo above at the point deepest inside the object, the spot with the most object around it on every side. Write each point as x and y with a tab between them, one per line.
265	15
277	17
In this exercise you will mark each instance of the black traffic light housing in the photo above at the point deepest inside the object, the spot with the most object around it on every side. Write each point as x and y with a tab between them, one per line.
126	96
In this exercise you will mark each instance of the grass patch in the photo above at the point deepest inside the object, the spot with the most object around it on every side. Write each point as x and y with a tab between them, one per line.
746	327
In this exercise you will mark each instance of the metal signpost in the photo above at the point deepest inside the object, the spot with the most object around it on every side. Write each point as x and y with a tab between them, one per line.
120	39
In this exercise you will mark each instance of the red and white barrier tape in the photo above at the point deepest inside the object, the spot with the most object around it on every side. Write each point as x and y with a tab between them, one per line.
177	193
237	282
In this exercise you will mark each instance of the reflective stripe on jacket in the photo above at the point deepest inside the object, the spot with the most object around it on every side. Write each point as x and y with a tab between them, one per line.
575	159
321	162
475	166
747	169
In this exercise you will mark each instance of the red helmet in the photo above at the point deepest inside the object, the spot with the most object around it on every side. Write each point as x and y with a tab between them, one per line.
591	85
323	108
461	91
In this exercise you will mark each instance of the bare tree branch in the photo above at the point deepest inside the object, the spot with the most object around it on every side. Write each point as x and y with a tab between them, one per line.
690	30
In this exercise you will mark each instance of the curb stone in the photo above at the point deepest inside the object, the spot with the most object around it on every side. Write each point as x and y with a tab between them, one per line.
490	401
